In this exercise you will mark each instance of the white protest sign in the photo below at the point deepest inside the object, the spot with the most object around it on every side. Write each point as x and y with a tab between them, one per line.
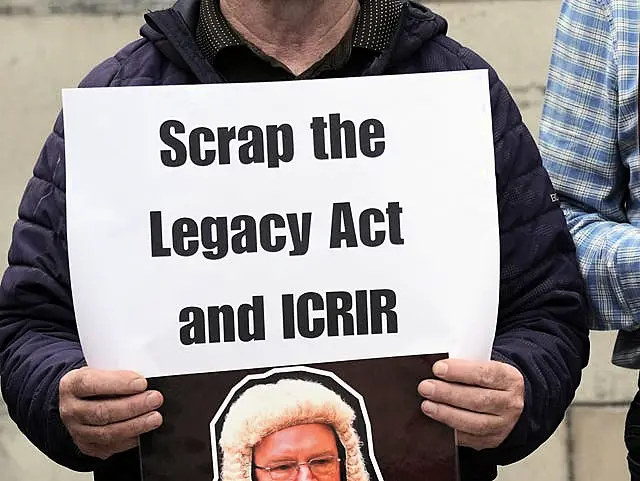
232	226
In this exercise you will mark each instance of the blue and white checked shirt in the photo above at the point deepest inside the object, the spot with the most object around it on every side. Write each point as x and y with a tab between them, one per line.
589	144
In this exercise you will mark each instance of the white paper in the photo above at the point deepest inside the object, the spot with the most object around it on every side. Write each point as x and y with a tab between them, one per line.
438	165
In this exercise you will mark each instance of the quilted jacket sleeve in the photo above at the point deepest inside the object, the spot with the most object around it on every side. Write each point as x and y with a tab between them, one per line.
38	337
541	327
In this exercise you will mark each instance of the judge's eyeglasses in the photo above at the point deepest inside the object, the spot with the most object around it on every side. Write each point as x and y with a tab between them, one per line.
320	467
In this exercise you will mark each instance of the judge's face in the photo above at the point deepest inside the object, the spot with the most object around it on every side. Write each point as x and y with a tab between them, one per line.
301	453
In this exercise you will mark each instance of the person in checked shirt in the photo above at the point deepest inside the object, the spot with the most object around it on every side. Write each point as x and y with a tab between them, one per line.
589	145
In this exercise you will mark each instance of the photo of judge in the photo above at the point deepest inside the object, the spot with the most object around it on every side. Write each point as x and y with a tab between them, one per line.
291	430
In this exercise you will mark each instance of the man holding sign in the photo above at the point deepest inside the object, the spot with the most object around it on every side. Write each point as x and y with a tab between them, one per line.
503	409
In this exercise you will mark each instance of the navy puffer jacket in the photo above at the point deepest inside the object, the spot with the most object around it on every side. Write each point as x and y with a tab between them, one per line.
540	328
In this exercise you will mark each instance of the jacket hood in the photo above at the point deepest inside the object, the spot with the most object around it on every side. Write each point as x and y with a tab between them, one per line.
172	31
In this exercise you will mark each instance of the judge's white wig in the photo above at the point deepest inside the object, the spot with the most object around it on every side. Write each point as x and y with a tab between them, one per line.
267	408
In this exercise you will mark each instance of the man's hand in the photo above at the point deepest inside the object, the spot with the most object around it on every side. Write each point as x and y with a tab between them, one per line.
482	401
106	411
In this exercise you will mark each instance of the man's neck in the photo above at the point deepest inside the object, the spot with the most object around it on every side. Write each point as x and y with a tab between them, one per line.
298	33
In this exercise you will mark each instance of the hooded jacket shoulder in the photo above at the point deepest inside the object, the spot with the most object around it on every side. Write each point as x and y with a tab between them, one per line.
139	63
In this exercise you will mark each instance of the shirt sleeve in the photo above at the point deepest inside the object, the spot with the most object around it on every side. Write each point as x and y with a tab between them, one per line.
581	149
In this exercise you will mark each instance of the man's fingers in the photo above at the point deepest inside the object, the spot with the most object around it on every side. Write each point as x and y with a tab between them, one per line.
482	401
115	434
87	383
489	374
470	398
101	413
469	422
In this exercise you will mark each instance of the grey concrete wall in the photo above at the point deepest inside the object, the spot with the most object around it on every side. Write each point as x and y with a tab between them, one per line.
43	53
40	7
